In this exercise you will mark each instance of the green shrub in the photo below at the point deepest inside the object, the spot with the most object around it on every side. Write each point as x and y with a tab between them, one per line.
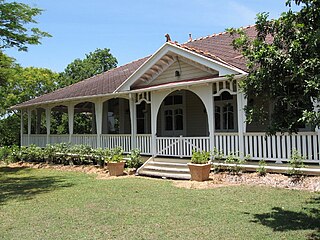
236	161
99	156
80	154
15	154
33	154
135	159
296	162
50	153
262	168
5	153
199	157
217	155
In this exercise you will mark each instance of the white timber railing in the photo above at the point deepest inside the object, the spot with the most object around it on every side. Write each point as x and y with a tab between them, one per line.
143	143
38	139
257	146
116	140
59	138
279	147
24	140
227	143
84	139
181	146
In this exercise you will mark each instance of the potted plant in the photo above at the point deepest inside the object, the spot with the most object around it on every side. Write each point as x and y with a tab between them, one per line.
115	162
200	166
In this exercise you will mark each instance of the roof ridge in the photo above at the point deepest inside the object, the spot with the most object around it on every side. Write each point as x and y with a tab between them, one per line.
215	34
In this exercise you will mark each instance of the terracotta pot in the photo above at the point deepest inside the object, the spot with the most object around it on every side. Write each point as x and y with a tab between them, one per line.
116	168
199	172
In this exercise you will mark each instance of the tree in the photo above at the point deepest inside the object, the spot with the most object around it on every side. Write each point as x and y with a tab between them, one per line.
6	67
14	32
284	66
96	62
22	84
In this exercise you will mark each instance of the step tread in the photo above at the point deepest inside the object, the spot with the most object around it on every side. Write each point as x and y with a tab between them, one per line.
166	169
167	175
168	163
171	160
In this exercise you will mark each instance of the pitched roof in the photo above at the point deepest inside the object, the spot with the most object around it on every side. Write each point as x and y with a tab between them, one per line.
220	45
217	47
100	84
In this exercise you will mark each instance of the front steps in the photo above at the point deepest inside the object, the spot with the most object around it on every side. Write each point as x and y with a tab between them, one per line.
175	168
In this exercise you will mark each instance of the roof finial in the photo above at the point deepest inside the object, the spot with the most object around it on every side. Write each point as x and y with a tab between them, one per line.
190	37
168	37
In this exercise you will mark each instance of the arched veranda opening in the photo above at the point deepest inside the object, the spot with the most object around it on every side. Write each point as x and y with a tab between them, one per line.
182	113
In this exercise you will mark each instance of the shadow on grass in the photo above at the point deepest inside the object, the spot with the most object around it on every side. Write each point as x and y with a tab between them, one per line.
283	220
17	184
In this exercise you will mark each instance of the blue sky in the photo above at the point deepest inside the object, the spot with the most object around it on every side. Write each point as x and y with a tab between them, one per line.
131	29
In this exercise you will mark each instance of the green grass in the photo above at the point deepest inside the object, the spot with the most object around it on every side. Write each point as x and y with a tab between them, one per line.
48	204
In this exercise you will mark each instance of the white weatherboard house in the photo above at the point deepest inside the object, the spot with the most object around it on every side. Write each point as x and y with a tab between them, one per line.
179	99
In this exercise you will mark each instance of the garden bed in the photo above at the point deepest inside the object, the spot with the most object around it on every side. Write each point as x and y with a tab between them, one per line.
220	179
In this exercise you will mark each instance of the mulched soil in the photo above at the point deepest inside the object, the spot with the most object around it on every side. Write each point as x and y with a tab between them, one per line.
308	183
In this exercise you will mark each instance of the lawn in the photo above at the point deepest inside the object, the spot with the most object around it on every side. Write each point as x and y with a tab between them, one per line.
51	204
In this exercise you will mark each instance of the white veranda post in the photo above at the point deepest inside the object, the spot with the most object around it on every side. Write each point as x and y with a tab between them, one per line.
241	103
48	123
98	113
21	129
29	126
70	120
133	118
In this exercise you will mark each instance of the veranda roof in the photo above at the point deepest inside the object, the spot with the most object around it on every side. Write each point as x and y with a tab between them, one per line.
217	47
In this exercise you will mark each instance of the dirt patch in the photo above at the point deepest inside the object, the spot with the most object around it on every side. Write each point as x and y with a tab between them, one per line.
102	173
216	179
271	180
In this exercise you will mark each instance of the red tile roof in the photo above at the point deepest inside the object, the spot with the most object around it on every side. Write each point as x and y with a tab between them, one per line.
217	47
220	45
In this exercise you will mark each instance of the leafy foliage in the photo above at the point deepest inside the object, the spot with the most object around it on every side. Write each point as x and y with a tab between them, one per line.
67	154
284	66
261	170
21	84
199	157
236	162
296	162
96	62
115	155
134	159
7	65
24	84
14	30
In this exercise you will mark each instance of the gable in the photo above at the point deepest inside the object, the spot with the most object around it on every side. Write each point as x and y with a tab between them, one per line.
167	55
186	71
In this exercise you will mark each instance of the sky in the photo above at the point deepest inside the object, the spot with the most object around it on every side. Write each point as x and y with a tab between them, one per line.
131	29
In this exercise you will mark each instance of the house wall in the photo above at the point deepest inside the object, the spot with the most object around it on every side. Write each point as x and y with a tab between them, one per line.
186	72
